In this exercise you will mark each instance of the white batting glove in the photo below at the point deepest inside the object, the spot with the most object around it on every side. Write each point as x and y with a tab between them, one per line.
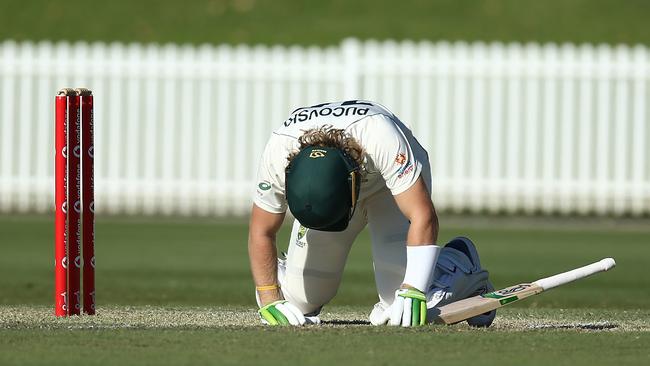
282	312
380	314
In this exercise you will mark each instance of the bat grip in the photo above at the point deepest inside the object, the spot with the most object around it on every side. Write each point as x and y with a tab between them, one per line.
576	274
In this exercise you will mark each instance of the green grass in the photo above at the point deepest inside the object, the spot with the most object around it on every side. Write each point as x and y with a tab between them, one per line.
190	262
180	292
370	347
326	22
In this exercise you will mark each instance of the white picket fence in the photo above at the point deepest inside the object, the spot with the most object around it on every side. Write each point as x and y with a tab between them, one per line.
179	129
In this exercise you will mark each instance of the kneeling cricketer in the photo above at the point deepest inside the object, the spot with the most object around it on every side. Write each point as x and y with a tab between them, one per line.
339	167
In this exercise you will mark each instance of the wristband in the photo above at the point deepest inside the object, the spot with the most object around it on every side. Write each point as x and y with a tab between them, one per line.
420	262
267	288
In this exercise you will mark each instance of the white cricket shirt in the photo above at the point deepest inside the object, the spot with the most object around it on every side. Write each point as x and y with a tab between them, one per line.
393	159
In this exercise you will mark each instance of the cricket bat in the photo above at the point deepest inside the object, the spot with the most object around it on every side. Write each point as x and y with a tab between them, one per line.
472	306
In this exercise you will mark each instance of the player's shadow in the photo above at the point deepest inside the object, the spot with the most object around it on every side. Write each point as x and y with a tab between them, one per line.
434	315
346	322
584	326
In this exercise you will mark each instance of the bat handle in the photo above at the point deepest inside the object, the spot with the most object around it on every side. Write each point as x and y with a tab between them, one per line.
576	274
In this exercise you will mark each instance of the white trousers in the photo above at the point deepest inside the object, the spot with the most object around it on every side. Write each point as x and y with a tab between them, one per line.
315	260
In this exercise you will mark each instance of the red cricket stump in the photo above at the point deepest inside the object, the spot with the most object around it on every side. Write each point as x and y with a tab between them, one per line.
60	209
88	199
74	209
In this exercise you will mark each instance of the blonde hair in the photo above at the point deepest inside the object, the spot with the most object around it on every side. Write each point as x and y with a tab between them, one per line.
327	136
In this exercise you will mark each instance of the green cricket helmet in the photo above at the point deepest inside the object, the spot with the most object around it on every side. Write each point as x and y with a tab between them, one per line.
322	187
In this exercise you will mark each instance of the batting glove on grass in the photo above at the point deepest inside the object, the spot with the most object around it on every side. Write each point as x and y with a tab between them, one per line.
409	308
281	312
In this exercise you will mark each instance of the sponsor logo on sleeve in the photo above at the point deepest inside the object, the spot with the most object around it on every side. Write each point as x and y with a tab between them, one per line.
406	165
404	170
264	185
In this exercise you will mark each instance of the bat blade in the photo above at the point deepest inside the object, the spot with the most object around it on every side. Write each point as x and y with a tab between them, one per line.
477	305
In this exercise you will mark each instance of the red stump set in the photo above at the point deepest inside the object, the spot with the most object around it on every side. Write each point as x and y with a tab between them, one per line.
74	220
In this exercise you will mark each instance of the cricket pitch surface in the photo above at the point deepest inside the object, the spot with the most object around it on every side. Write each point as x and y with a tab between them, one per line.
149	317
